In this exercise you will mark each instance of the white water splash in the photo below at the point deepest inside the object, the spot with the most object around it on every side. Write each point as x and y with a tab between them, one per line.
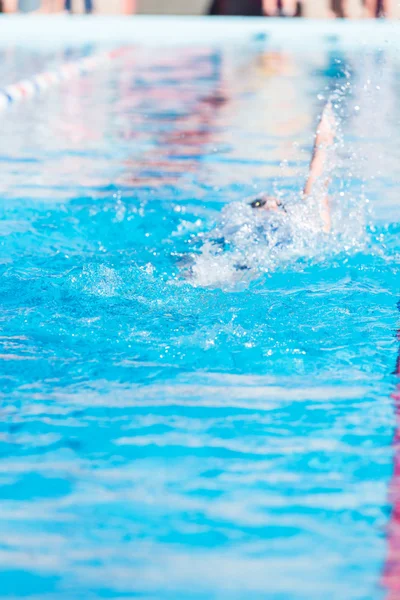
247	243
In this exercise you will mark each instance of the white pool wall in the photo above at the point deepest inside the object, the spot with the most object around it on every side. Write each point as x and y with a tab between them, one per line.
47	31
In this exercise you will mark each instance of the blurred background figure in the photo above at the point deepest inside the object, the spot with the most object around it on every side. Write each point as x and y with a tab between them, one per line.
88	4
354	9
32	6
316	9
26	6
282	8
256	8
247	8
347	9
339	8
129	7
378	8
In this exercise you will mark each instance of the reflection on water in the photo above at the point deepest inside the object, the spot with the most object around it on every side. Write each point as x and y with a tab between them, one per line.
161	440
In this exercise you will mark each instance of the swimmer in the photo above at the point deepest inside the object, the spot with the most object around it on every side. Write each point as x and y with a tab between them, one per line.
255	235
318	181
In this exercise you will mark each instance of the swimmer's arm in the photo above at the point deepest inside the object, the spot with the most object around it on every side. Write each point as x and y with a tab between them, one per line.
318	181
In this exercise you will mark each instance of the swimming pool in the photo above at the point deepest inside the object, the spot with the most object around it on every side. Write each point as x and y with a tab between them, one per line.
168	437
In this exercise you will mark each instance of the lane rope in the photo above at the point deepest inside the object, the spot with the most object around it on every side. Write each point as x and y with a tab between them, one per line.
36	85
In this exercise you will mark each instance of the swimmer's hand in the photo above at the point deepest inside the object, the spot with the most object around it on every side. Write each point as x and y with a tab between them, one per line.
326	130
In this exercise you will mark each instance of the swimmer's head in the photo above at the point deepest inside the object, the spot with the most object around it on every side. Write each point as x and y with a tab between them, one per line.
266	202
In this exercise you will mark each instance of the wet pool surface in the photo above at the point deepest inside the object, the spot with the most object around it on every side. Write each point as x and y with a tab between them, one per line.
164	434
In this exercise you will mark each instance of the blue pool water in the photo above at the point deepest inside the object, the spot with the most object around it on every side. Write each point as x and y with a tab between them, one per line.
177	433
